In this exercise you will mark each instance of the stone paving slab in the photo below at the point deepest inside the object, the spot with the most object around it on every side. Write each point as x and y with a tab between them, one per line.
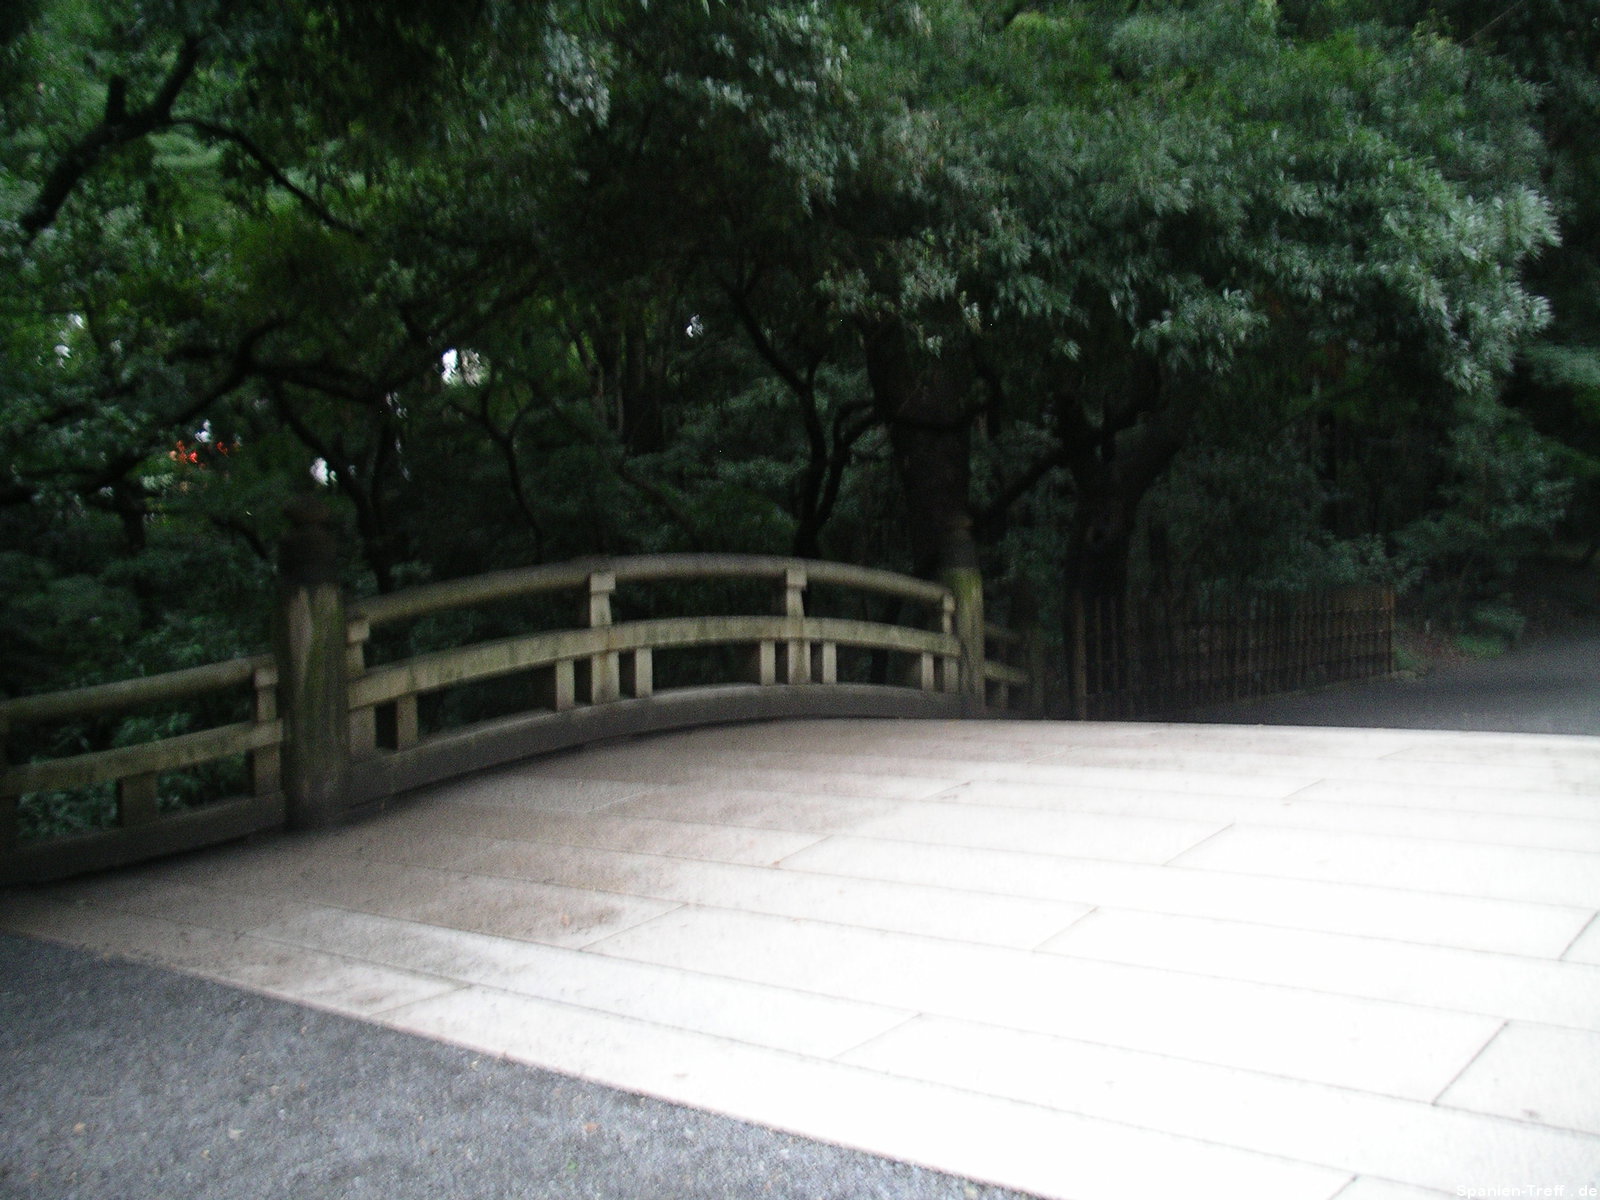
1076	960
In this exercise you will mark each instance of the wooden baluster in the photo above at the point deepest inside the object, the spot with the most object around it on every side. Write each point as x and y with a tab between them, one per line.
605	669
766	663
558	688
638	670
797	655
264	769
136	800
363	721
950	666
405	721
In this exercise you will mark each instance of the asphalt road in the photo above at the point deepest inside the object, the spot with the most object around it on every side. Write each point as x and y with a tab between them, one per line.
119	1081
1548	686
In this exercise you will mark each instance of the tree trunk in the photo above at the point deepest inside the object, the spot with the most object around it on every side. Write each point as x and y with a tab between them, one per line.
1099	545
921	399
640	415
1112	476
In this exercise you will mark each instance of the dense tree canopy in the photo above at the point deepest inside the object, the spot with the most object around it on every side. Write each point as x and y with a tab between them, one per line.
517	282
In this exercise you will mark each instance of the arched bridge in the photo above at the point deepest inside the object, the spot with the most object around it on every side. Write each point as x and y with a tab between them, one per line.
354	707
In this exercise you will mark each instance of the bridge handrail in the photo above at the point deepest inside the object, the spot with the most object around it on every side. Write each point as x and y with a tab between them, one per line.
501	656
430	598
146	758
596	677
141	829
124	694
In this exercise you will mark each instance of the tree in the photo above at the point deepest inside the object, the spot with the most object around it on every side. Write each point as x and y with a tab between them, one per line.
1126	221
865	280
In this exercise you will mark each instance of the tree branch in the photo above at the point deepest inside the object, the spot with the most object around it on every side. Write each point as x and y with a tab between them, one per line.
845	436
618	462
800	384
240	369
223	133
117	128
245	534
506	441
1019	486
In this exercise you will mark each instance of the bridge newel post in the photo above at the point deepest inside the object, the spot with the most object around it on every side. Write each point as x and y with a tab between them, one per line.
959	572
605	670
797	667
309	642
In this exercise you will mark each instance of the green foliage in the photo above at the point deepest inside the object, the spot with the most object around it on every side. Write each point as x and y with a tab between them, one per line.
1501	501
56	626
1480	645
43	815
1248	515
533	282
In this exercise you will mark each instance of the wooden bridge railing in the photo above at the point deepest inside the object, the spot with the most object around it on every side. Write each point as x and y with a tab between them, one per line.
331	732
141	830
598	678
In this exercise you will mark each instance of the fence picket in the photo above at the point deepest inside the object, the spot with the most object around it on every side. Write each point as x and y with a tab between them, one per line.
1131	660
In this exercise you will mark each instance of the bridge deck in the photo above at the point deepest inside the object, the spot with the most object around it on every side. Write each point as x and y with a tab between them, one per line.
1077	960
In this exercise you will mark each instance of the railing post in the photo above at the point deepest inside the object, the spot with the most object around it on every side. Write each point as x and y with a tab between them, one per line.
961	575
137	797
363	743
266	771
310	645
949	668
797	665
605	674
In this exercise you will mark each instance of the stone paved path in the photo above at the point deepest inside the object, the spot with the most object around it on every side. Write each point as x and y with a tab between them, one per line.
1078	961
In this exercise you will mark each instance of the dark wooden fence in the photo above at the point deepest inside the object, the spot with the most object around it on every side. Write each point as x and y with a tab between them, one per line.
1129	660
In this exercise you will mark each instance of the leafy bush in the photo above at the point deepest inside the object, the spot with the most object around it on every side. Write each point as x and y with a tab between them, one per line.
1502	499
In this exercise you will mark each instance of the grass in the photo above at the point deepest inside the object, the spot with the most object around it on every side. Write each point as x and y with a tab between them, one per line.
1554	591
1478	646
